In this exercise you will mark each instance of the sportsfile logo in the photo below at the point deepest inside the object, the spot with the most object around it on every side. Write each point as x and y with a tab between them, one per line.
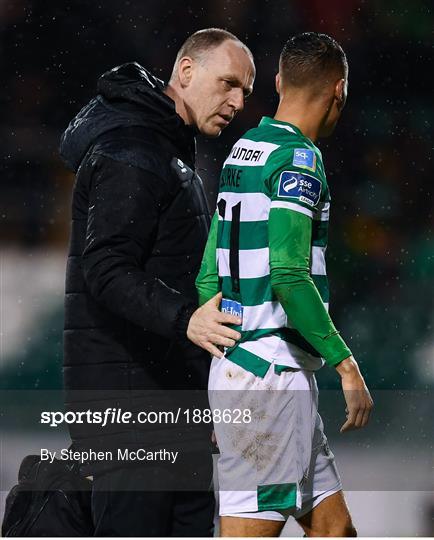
303	187
304	158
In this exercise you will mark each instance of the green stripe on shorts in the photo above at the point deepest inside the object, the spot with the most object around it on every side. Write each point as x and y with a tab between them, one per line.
277	497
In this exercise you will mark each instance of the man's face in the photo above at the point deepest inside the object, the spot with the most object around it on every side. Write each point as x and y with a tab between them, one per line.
218	86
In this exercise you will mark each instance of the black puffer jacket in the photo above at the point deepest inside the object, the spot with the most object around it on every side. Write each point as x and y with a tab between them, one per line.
139	226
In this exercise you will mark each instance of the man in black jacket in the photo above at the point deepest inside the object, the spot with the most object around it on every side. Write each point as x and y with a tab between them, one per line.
139	226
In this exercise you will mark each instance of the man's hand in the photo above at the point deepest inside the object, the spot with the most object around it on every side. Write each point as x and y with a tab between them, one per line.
357	396
206	327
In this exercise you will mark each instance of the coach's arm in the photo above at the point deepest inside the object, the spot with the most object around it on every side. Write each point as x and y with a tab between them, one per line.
123	215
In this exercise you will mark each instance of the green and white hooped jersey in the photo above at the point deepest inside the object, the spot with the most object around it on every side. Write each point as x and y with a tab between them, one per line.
271	166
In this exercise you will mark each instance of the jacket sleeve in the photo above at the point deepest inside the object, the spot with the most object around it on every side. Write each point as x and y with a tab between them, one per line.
124	207
289	242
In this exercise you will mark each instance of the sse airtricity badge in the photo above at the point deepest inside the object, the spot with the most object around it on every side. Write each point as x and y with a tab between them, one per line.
301	186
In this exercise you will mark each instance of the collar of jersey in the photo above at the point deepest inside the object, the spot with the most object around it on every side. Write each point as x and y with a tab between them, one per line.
267	120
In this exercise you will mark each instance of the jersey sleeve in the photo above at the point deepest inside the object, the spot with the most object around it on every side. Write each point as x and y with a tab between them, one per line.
293	179
289	242
207	282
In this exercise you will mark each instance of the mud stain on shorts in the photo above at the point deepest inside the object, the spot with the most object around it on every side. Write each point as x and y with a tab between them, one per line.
235	374
256	447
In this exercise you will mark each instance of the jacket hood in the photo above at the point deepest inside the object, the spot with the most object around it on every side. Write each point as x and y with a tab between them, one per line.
128	95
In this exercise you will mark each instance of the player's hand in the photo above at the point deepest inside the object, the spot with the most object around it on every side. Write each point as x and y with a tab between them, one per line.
207	329
357	396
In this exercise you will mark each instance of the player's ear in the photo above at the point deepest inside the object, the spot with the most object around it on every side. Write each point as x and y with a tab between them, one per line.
341	93
185	71
278	83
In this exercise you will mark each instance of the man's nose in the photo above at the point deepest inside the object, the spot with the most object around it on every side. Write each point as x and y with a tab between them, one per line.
236	100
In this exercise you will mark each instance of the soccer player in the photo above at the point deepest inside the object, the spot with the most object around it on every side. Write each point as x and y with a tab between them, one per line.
266	254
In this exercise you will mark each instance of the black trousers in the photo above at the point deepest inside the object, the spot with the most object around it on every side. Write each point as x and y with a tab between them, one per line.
146	501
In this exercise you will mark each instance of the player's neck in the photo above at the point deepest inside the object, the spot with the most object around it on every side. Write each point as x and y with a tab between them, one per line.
306	117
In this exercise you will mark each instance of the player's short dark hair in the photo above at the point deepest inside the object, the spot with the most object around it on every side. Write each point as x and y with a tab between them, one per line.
311	57
204	40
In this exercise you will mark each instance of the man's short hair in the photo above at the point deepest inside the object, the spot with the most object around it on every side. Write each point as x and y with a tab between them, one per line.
310	58
202	41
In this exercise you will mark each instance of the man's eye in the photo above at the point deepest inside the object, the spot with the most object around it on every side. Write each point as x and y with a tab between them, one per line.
227	84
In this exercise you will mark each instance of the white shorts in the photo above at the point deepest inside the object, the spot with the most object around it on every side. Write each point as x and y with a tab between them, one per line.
277	464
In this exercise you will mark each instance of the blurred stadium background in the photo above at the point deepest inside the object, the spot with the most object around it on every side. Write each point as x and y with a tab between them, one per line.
380	168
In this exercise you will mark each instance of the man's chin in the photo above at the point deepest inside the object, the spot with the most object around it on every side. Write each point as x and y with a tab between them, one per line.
211	133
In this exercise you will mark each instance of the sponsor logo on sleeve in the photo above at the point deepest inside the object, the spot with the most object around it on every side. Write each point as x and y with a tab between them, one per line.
303	187
304	158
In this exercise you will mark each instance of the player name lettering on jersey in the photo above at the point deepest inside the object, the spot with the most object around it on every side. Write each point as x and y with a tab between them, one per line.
249	153
230	177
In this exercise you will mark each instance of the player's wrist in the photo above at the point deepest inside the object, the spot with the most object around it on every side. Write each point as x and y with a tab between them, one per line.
333	348
348	367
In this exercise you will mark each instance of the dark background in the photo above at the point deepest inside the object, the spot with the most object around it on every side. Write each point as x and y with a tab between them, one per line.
380	169
379	161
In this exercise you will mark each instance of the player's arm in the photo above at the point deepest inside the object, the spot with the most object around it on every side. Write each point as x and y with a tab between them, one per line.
207	282
296	187
289	241
286	173
206	327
